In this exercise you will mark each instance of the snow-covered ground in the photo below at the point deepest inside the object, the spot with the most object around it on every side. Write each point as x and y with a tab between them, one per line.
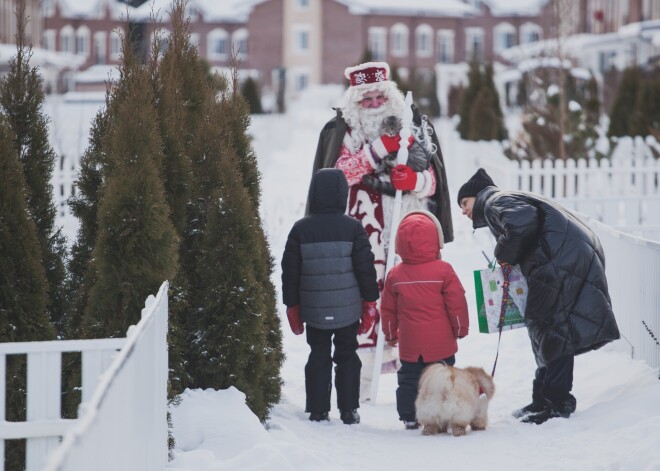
616	425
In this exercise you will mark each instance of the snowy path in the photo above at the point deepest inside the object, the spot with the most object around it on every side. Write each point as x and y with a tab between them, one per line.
616	425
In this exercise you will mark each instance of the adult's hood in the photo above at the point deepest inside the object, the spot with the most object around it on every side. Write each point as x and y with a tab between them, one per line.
328	192
419	237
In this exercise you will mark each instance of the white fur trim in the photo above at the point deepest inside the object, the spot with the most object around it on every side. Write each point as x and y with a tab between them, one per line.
369	156
382	65
423	184
379	148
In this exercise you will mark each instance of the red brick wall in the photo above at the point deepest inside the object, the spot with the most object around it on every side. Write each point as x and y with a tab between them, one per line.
265	44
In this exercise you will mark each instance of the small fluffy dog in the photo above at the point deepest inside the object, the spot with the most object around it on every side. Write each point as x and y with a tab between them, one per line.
453	398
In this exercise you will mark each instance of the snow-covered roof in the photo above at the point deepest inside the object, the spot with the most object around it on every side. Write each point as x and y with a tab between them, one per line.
515	7
83	8
43	58
410	7
98	73
212	10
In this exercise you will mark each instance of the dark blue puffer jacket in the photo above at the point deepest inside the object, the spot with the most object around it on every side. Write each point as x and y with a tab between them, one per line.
328	267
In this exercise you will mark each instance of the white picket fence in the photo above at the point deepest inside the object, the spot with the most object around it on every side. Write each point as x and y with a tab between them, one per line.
122	419
623	192
632	266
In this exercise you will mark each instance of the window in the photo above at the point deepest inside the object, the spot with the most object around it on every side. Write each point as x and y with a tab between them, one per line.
48	7
194	40
240	43
301	39
82	41
399	40
100	47
218	44
66	39
378	43
301	81
474	44
49	39
530	33
606	60
424	41
115	45
505	36
302	4
446	46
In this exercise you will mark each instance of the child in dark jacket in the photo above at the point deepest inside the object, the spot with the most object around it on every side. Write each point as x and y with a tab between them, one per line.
329	283
424	308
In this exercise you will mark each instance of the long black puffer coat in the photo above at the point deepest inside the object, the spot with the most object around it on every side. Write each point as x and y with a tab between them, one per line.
568	307
328	267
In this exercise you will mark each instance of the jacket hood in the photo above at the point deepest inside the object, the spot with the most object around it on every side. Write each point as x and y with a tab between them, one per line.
419	237
328	192
478	215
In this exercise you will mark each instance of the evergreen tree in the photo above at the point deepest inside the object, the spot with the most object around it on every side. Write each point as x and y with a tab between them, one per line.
592	105
486	120
136	246
23	285
624	103
183	86
21	100
645	118
542	135
238	340
84	206
250	91
469	95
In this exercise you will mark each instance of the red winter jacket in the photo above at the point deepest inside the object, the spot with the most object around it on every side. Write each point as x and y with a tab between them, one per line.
423	302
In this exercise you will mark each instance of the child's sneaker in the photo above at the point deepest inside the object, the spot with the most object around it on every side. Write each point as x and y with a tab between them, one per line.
411	425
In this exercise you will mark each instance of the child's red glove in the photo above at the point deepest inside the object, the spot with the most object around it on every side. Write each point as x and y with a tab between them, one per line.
403	178
296	323
369	313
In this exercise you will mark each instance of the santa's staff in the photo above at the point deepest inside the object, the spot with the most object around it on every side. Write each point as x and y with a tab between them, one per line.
401	159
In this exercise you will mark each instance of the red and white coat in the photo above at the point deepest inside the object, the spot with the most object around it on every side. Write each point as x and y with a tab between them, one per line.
423	302
372	209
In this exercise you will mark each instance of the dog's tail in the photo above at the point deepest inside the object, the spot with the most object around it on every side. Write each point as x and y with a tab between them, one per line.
485	381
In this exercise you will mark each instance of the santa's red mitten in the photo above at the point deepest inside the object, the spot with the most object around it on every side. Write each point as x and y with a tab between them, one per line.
403	178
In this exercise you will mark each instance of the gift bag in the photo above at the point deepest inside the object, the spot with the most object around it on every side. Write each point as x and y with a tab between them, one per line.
488	287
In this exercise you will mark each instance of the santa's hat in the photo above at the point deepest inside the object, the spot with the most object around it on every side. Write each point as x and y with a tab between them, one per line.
365	76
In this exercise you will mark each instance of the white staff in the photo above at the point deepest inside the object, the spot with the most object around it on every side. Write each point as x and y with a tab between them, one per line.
401	158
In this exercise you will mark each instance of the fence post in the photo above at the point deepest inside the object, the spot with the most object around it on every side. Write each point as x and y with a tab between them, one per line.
44	373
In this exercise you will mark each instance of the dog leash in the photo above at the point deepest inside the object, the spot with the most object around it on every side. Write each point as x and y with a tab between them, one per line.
506	272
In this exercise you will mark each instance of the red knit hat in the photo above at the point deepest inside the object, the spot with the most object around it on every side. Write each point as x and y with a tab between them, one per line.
368	74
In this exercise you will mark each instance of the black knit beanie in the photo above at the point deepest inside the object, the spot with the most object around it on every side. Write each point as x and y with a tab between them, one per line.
474	185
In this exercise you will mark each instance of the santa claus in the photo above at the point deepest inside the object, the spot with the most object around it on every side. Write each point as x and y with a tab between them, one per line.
362	140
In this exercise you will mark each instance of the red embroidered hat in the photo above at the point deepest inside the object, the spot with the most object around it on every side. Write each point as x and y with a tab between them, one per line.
368	73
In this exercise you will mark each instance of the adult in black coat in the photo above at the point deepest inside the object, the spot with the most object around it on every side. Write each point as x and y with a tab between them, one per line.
568	311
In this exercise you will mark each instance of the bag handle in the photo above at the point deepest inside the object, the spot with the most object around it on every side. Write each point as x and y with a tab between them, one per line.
506	273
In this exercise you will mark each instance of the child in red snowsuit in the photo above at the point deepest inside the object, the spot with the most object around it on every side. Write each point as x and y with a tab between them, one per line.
423	307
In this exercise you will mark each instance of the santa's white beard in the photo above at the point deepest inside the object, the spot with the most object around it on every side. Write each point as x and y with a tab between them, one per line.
366	123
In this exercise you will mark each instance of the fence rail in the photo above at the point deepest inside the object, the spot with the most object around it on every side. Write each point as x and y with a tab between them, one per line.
632	266
44	424
124	424
122	418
